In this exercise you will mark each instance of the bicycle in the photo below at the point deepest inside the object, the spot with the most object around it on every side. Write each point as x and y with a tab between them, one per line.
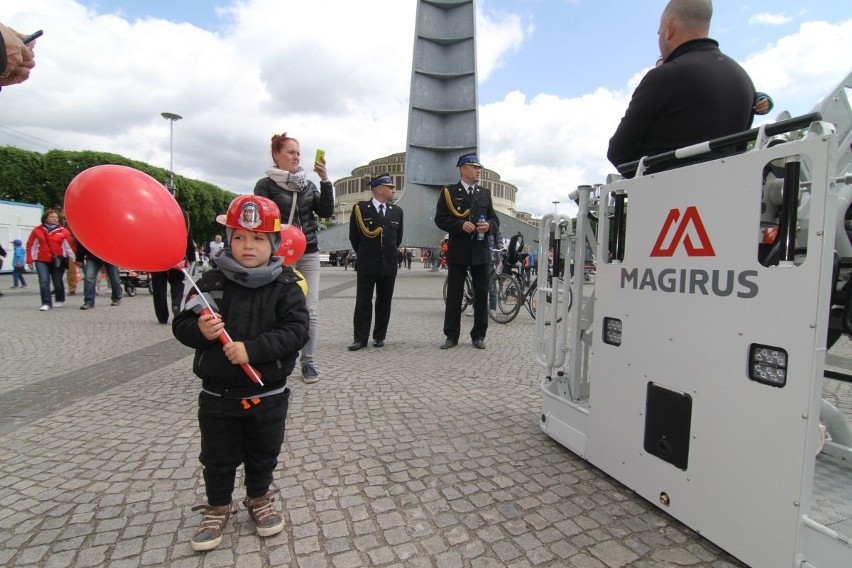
507	292
496	283
513	292
467	291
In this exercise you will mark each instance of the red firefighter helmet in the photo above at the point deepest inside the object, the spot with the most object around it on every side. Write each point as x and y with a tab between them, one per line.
253	213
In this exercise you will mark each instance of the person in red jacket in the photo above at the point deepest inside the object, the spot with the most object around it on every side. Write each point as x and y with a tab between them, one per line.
48	250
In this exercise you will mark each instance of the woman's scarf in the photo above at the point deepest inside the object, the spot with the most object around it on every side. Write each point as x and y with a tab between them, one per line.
287	181
249	277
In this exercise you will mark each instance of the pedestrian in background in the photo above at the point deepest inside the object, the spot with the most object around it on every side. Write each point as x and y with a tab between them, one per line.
19	264
71	272
2	256
48	250
91	268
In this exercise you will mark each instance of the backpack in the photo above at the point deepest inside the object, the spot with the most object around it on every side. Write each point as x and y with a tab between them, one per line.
516	245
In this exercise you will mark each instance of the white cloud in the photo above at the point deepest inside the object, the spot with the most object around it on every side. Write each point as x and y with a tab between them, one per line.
803	67
320	70
497	34
767	18
548	145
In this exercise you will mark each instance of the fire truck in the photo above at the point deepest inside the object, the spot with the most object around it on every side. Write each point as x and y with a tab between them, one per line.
694	370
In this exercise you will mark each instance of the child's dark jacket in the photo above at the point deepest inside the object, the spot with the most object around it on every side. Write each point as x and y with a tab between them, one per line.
272	322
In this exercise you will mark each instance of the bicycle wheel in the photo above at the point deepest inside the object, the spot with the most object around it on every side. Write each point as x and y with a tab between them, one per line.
508	301
467	293
532	300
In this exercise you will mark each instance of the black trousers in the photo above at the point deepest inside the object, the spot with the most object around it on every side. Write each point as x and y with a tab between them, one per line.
456	274
362	318
159	280
235	431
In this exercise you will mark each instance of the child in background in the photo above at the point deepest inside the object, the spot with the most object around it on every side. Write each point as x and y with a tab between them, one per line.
267	318
19	258
2	256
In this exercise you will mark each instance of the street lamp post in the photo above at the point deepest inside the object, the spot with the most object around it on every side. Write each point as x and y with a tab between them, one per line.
555	203
171	117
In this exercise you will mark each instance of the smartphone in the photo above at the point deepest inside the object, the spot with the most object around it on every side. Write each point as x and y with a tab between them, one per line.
320	156
33	36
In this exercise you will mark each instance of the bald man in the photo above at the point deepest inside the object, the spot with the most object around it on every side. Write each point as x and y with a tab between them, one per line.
697	94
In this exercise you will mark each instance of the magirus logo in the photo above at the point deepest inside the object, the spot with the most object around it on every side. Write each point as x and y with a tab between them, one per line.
691	219
680	229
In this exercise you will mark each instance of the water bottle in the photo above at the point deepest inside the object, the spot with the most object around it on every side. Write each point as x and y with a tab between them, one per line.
480	236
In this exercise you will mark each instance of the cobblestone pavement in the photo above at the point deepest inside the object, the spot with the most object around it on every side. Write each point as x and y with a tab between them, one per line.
400	456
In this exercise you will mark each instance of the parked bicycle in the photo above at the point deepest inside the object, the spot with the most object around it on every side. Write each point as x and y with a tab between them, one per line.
513	292
496	283
507	293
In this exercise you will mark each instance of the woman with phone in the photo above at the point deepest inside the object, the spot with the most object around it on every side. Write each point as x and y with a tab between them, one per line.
300	203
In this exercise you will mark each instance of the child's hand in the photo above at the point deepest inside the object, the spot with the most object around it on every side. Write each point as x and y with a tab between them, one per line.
211	326
236	353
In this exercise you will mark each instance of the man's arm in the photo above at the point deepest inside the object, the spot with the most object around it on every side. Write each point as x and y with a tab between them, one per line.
626	144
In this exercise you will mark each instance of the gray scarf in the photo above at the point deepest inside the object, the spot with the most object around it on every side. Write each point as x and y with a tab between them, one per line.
249	277
294	182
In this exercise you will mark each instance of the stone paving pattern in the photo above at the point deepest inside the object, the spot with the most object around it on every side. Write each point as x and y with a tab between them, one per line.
401	456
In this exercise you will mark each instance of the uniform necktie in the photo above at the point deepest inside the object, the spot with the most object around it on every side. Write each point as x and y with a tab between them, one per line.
382	210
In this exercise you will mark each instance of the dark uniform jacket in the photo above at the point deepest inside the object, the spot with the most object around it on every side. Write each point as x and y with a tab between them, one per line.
453	209
271	320
312	203
698	94
376	252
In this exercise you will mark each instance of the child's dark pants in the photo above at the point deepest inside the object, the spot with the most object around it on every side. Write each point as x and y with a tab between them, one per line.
235	431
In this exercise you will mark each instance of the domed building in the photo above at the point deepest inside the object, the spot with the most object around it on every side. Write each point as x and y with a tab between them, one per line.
354	188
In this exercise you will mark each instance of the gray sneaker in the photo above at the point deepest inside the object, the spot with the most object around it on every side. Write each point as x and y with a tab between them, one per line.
266	518
209	533
309	373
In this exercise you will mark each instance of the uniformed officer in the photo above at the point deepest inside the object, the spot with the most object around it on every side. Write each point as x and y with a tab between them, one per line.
466	213
375	231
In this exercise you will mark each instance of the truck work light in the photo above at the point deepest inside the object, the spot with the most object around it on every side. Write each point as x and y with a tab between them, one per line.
612	331
767	365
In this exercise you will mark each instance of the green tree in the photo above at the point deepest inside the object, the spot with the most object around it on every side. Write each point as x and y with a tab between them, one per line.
22	176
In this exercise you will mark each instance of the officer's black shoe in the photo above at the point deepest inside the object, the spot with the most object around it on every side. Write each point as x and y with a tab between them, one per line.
356	346
449	343
479	343
379	343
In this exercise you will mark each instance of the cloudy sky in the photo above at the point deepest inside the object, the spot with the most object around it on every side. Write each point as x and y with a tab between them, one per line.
555	77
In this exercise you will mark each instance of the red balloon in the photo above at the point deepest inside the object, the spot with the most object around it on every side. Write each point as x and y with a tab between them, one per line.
126	218
293	244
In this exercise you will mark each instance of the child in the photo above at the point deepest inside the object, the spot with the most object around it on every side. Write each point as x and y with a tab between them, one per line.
2	256
19	257
241	421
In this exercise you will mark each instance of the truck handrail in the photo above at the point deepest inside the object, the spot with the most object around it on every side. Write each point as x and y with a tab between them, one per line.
773	129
